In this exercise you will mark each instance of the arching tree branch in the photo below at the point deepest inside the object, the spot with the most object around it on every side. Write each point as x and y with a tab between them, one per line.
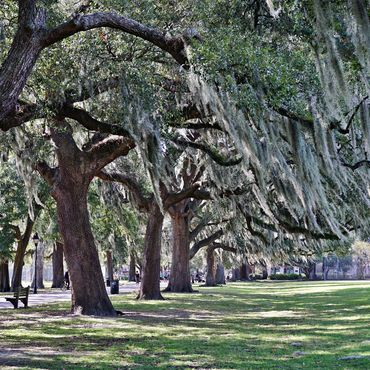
90	123
173	45
204	242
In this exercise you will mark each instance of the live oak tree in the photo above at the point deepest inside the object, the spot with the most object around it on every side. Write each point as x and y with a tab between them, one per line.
211	277
69	183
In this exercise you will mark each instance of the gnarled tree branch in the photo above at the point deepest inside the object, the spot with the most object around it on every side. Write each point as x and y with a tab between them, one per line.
173	45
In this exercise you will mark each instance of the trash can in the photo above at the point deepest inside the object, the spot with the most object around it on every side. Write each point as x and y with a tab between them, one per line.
114	287
108	282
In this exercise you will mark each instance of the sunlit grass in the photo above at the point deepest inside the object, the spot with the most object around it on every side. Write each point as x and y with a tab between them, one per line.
266	325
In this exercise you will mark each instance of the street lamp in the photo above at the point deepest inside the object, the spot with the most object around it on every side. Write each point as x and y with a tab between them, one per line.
36	240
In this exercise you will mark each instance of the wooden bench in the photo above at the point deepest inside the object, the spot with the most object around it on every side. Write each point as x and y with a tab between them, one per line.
20	294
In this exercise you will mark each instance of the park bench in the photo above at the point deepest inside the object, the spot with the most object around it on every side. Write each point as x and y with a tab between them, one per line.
20	294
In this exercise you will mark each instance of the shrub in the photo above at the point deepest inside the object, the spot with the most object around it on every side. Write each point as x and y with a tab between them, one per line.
285	276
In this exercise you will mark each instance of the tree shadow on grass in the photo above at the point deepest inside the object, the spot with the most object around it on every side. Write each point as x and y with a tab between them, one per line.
219	328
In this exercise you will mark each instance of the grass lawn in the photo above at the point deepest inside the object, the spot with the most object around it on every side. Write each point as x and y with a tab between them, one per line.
261	325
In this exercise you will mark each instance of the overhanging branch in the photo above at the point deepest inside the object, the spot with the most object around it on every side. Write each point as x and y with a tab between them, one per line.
216	157
173	45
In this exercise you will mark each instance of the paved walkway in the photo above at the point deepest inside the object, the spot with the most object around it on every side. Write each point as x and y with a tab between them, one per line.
58	295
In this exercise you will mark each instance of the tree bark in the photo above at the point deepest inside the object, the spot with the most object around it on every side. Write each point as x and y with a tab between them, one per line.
132	267
150	284
220	274
211	267
39	266
58	269
4	276
109	265
89	295
180	280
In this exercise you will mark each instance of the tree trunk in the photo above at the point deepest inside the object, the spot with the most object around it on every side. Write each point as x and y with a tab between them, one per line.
132	268
243	272
220	274
150	283
21	250
211	268
180	280
89	295
18	264
39	266
249	270
265	273
325	268
69	186
4	276
312	275
109	265
58	270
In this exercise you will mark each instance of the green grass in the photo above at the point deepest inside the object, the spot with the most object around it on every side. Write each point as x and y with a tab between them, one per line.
262	325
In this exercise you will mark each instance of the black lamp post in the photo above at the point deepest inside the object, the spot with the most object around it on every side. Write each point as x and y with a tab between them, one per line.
36	240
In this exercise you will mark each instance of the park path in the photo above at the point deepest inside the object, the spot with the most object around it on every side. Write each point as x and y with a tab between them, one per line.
60	296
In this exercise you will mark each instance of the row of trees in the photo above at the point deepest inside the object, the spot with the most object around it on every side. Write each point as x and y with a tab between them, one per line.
250	129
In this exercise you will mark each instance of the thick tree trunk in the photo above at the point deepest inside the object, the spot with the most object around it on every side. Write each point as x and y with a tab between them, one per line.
132	267
39	266
180	280
4	276
150	283
109	265
58	270
89	295
211	267
220	274
70	182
